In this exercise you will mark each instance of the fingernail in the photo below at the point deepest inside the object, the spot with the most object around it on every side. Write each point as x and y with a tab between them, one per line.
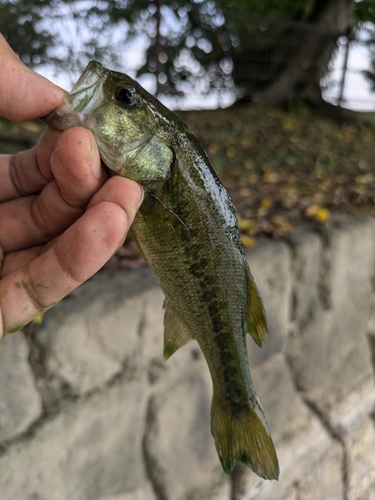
94	162
142	196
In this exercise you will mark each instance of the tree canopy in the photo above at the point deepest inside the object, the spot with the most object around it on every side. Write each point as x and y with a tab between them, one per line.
260	48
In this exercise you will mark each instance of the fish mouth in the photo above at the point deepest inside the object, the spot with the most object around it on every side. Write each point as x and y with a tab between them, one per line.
85	98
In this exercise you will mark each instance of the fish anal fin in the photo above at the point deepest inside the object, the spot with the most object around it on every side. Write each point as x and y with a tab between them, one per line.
255	324
176	333
244	438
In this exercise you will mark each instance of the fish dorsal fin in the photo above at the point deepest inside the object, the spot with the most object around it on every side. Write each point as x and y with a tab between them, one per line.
176	333
169	230
255	324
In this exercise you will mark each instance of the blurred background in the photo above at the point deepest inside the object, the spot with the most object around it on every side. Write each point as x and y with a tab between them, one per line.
201	54
285	90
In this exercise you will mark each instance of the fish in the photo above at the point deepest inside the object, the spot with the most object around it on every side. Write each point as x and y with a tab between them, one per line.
187	231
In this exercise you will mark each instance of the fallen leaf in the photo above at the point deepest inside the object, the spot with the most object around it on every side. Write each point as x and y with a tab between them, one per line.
271	177
38	320
248	241
266	203
321	215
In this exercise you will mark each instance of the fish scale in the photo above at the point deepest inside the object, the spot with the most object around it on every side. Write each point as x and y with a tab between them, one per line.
187	230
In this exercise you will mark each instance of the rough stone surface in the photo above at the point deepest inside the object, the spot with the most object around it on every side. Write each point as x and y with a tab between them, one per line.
330	356
270	265
91	449
307	255
120	423
286	414
353	421
89	337
20	402
179	448
74	355
145	493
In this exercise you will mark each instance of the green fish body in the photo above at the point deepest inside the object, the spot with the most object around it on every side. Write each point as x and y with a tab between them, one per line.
187	231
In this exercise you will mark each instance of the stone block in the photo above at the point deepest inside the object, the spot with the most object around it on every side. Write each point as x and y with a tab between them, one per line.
307	249
20	402
145	493
270	265
352	264
179	447
91	449
220	492
73	355
310	469
353	421
287	415
330	357
88	337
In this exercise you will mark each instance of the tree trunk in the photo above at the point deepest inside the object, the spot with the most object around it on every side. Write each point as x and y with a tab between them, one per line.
300	58
158	47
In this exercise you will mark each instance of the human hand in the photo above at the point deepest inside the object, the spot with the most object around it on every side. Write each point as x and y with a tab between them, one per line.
61	218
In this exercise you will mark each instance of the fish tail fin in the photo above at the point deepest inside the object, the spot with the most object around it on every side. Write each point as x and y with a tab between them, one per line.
244	438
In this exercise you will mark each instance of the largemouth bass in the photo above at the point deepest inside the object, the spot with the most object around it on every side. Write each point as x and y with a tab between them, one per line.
187	231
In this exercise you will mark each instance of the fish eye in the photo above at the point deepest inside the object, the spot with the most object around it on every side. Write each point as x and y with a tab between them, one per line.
126	96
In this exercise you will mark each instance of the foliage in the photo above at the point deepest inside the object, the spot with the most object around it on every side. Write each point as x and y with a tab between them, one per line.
20	24
65	33
190	43
285	168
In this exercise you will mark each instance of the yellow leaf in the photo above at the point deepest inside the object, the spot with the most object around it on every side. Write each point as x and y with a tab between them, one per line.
245	224
317	213
38	320
271	177
322	215
266	203
31	126
248	241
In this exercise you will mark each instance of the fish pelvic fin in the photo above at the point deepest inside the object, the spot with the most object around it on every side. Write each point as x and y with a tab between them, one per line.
176	333
255	324
244	437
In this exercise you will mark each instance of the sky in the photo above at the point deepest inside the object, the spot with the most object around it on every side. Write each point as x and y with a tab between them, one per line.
357	94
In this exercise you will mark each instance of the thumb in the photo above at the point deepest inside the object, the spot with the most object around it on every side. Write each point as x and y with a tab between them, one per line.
24	95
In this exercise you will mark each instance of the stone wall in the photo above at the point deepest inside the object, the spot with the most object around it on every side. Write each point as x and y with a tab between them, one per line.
89	410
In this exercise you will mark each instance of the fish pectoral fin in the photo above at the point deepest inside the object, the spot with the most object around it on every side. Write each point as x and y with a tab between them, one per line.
176	333
244	438
168	229
255	324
